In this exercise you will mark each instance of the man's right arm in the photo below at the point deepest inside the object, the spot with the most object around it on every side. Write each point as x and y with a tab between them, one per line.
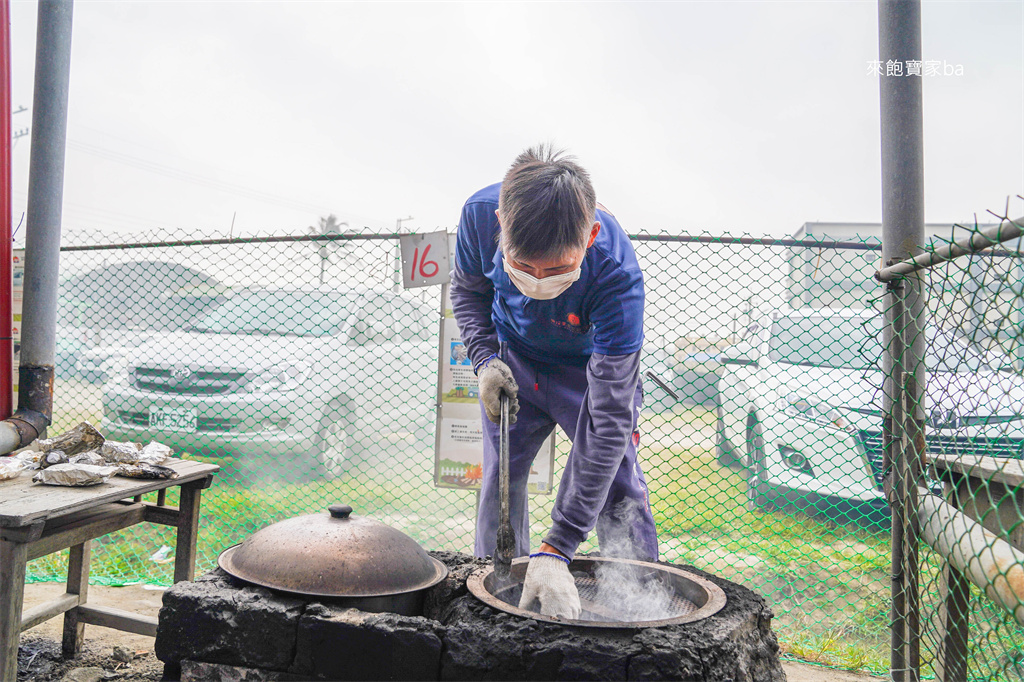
472	293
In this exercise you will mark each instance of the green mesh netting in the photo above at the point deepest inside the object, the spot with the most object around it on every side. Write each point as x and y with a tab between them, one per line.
965	611
309	377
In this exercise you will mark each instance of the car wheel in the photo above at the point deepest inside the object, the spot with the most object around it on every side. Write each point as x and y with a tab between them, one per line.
723	449
336	444
757	486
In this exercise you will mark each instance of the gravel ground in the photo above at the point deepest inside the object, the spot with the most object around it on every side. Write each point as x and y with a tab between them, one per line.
39	659
39	656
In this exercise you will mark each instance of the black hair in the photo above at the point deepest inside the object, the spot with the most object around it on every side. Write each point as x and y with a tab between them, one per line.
547	205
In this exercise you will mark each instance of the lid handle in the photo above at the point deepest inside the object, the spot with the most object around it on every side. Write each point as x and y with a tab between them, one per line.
340	511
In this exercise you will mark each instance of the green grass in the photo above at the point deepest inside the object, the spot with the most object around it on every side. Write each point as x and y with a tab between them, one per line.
821	579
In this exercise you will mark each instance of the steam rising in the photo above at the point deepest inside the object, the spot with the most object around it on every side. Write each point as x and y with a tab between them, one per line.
633	593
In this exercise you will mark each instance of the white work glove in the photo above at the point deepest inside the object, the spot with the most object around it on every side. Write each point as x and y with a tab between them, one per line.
549	589
495	378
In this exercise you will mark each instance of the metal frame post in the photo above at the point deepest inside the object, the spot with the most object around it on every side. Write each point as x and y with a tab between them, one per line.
6	255
899	41
893	405
45	201
904	459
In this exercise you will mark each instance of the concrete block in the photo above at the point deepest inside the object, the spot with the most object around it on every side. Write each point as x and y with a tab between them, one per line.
218	619
347	644
482	643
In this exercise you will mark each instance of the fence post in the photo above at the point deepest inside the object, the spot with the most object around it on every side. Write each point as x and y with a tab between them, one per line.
45	193
904	460
899	42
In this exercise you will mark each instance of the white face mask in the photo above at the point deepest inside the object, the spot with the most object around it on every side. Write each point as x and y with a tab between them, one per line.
541	289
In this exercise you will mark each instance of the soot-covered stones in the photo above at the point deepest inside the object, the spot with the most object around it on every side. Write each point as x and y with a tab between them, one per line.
737	643
348	644
460	567
220	620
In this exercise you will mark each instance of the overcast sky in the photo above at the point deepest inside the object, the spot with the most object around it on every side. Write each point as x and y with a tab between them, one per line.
725	117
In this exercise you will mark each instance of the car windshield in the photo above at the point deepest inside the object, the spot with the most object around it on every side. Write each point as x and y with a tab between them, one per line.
856	343
278	313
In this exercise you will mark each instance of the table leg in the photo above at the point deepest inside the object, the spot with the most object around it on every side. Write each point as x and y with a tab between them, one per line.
13	557
188	531
78	583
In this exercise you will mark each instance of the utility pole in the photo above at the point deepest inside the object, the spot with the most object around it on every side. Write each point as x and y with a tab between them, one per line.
325	247
397	272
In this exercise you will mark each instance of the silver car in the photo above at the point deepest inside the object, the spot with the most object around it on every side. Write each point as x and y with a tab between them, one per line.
800	409
283	374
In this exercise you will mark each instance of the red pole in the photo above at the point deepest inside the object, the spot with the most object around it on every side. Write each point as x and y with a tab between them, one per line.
6	283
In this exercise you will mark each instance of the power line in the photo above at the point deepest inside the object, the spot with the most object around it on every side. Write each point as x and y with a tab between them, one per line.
105	214
206	181
194	178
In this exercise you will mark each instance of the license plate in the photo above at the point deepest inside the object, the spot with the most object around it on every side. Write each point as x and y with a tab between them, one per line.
179	419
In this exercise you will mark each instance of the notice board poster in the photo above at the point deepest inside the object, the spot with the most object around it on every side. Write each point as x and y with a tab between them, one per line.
458	451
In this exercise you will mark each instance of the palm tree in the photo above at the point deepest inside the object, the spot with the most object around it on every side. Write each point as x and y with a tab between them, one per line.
330	226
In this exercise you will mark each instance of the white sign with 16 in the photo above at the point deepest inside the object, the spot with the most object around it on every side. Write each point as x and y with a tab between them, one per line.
424	259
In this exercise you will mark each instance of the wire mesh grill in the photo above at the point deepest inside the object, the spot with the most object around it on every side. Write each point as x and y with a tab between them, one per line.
309	376
613	593
588	587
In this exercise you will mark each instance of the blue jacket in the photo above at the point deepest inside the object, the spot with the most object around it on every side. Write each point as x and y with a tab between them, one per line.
597	322
602	312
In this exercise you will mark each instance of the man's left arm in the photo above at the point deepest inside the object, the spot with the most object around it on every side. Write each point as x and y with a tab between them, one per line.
606	423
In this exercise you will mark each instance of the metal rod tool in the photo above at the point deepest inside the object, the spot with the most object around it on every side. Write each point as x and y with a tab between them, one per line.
506	536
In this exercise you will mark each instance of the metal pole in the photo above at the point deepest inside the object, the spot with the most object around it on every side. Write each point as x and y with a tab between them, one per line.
6	274
970	548
905	455
397	271
892	462
281	239
388	236
899	42
45	199
505	547
1007	230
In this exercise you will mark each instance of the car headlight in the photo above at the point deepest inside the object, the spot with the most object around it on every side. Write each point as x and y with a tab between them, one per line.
284	377
808	409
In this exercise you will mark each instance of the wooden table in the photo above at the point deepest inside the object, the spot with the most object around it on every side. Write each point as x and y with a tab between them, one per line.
36	520
989	490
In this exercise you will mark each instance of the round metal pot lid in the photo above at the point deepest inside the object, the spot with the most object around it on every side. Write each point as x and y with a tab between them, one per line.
333	555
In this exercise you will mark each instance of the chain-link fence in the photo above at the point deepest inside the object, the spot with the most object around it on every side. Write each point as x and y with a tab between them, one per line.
309	375
953	464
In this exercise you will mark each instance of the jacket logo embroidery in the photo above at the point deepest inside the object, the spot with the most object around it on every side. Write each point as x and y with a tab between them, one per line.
572	324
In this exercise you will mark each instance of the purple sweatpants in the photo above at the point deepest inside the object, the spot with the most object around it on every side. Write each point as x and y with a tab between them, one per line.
549	395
